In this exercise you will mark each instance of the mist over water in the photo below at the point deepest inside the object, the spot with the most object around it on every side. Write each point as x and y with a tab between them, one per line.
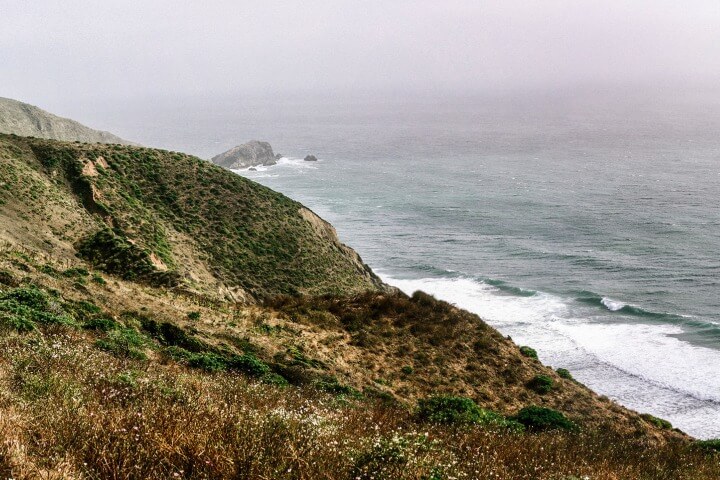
585	225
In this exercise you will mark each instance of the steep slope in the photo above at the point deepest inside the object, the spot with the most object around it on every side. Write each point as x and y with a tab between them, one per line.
106	378
169	219
24	119
124	353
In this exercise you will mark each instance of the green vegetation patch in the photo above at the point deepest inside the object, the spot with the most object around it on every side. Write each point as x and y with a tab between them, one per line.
564	373
658	422
23	308
528	352
115	254
125	342
710	446
541	384
540	418
332	385
461	411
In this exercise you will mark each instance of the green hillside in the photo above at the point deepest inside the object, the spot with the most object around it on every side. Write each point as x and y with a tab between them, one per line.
171	219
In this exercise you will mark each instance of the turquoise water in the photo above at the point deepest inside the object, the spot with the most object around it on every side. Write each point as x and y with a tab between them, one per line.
586	226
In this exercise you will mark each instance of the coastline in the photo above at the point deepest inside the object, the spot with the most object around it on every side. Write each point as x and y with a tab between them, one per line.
601	355
637	357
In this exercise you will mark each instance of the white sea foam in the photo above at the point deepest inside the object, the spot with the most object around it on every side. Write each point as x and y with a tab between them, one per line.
612	305
296	164
644	367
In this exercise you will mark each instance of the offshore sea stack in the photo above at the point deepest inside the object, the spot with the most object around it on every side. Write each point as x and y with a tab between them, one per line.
250	154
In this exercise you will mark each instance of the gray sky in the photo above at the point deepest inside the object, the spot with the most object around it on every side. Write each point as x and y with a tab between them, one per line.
54	52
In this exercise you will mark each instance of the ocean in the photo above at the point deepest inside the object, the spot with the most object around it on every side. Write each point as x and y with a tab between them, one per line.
583	224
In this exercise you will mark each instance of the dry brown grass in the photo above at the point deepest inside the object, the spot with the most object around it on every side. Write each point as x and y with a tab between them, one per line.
68	410
71	410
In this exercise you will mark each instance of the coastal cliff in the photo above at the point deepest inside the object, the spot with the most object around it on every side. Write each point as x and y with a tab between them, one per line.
178	317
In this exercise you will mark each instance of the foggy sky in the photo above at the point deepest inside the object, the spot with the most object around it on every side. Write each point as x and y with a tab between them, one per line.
55	52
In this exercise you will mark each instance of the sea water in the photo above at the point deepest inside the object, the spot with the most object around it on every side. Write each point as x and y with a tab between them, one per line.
585	225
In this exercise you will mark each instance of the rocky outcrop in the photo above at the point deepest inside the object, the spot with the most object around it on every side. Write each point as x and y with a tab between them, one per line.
250	154
310	158
29	121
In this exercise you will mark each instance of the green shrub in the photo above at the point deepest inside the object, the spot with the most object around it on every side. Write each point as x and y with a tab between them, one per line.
528	352
24	307
275	379
248	364
332	385
710	446
194	316
407	370
541	418
49	270
21	323
31	297
564	373
178	354
658	422
209	362
460	410
541	384
125	342
169	334
76	272
7	278
101	324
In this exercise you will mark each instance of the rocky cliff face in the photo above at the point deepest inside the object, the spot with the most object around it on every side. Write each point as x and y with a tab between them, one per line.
27	120
250	154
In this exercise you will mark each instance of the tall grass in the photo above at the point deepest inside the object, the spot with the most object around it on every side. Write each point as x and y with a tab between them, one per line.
71	410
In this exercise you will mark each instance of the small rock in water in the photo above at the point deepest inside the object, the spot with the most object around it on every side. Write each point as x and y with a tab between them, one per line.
252	169
310	158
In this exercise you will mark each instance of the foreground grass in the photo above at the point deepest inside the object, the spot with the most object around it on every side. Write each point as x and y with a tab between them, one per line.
71	410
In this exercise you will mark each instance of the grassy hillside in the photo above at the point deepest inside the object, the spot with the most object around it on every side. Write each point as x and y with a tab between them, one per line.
170	219
106	378
161	317
24	119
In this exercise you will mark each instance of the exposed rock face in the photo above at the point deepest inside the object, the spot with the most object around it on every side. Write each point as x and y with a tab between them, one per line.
250	154
28	121
310	158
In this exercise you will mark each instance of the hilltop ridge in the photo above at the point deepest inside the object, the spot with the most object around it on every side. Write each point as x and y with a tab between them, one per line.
28	120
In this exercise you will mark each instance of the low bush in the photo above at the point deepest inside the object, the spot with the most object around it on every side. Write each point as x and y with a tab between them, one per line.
541	418
564	373
528	352
711	446
541	384
460	411
658	422
332	385
101	324
210	362
23	308
124	342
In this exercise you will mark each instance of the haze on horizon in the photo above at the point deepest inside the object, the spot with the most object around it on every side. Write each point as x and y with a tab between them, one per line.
59	55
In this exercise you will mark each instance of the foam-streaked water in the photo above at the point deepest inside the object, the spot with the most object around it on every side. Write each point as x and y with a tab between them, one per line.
588	228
